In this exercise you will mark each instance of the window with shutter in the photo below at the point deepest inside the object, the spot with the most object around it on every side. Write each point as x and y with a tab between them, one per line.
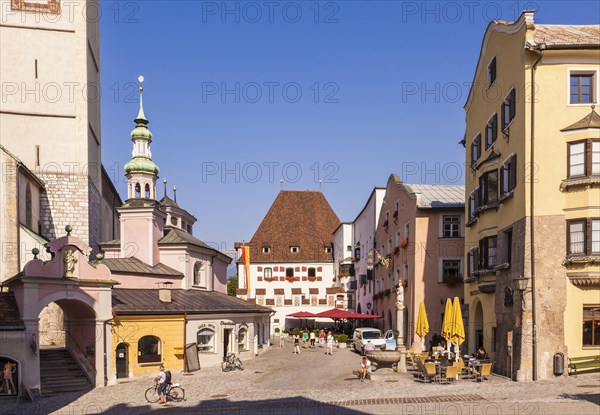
508	179
508	109
491	72
476	149
491	131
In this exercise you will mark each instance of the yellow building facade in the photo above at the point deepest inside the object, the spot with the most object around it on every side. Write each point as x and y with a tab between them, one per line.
142	342
533	287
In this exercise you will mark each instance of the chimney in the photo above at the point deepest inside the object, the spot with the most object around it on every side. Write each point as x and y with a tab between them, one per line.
164	292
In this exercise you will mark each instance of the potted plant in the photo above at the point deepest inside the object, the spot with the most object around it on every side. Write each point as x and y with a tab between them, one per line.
296	331
277	330
396	250
342	340
404	243
290	279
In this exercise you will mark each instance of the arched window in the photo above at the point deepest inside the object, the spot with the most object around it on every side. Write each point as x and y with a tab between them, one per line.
28	206
199	274
138	190
147	191
206	341
149	350
243	338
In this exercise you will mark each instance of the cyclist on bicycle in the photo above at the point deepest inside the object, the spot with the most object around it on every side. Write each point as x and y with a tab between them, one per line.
163	379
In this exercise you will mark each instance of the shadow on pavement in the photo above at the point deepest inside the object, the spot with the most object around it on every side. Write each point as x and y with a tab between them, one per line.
593	397
287	406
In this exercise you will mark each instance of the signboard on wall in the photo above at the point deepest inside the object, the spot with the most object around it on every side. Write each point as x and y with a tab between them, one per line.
192	362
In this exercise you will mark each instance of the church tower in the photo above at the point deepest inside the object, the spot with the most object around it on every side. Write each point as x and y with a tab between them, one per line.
142	219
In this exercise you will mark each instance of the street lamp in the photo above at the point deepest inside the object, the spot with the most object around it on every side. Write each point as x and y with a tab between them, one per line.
521	284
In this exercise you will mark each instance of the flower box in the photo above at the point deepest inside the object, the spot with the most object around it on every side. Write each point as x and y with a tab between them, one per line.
289	279
404	243
386	223
396	250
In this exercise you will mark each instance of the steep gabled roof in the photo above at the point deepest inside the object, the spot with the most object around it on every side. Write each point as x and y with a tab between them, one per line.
297	218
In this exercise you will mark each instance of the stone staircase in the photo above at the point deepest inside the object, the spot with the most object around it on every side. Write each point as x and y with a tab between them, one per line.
60	372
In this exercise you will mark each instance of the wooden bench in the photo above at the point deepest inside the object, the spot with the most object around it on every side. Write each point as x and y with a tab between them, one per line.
583	363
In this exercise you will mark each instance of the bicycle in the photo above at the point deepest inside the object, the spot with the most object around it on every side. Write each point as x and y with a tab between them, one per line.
174	392
232	362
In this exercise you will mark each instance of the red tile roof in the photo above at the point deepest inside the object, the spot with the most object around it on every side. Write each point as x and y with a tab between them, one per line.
296	218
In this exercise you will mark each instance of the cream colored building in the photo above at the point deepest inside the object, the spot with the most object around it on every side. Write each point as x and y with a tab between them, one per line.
532	144
50	136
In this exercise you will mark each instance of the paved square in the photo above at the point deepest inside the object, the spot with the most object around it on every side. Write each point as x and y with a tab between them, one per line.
312	383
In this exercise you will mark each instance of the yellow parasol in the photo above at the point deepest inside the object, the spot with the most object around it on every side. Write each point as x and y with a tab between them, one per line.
458	328
447	323
422	325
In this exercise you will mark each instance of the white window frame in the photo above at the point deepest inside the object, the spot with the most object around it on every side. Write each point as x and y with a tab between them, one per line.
460	226
294	249
211	344
580	70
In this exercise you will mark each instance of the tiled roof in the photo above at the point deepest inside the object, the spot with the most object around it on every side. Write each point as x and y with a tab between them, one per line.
146	301
136	266
592	120
296	218
167	201
177	237
10	318
558	36
437	196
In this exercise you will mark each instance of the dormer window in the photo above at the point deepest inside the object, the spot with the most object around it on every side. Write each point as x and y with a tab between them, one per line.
327	249
266	249
173	220
294	249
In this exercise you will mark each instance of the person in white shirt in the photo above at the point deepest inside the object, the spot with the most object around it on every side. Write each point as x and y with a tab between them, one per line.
313	337
369	346
365	367
330	341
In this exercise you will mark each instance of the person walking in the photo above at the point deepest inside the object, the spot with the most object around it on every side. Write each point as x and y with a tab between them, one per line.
321	338
305	338
281	339
330	341
313	337
296	344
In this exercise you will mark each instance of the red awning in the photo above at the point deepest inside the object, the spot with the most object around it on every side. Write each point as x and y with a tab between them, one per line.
301	314
336	313
364	316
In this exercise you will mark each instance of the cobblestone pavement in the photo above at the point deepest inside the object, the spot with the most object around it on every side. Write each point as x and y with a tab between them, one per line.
312	383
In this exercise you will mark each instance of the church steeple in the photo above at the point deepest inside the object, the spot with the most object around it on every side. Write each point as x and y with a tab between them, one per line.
141	171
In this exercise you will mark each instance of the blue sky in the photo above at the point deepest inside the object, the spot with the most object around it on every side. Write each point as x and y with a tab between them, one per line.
242	94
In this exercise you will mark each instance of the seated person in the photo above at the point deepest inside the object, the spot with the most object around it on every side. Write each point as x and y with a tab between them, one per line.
481	354
365	367
369	346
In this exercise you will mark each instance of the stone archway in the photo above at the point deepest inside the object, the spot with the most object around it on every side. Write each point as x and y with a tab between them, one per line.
478	334
83	294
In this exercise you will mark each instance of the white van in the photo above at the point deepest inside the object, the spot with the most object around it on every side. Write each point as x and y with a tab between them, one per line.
364	335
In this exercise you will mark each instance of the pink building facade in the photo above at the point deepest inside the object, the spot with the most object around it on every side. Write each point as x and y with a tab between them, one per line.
419	243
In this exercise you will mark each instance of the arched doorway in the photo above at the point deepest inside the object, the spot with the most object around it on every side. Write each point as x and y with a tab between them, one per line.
10	376
67	346
122	360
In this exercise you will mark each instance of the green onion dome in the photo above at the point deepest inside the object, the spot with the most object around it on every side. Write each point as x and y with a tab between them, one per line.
141	165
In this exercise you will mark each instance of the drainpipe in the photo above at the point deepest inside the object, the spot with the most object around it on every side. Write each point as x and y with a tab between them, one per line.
539	50
105	323
184	342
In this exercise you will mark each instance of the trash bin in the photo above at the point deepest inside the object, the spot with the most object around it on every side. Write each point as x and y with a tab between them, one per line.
558	364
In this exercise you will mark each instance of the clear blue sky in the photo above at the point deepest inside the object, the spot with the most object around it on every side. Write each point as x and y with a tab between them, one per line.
360	67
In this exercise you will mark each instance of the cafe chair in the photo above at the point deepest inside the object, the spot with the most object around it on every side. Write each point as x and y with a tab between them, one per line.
451	372
483	373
